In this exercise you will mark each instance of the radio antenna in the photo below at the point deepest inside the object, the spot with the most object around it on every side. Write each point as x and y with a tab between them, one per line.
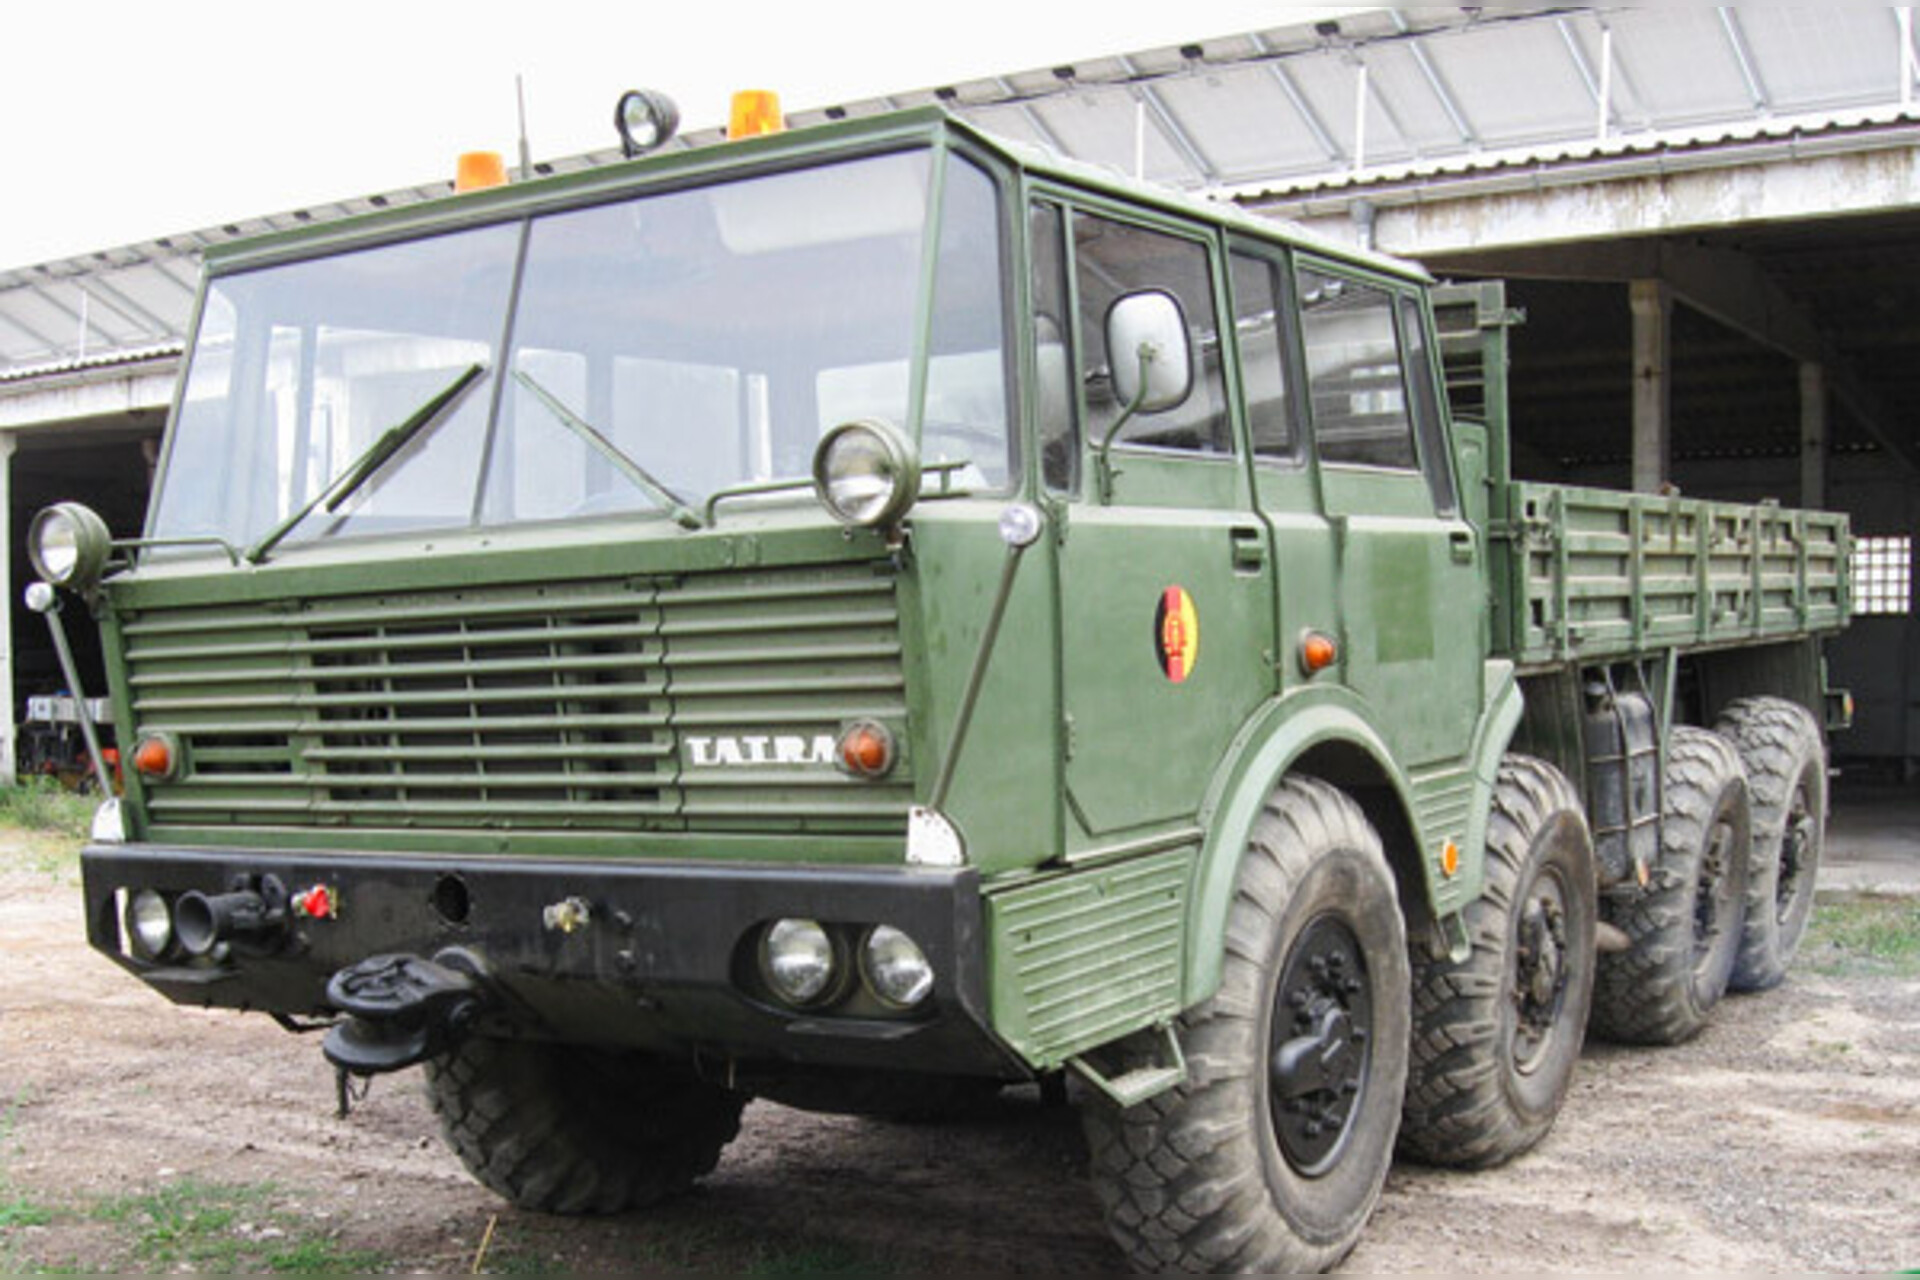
526	152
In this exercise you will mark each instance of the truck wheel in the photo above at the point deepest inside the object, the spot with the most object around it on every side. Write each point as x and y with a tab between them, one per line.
563	1129
1271	1156
1496	1037
1779	742
1684	930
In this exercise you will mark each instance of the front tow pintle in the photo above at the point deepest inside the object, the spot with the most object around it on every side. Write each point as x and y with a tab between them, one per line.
401	1009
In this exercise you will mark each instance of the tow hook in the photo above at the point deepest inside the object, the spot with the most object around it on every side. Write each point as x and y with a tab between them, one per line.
401	1009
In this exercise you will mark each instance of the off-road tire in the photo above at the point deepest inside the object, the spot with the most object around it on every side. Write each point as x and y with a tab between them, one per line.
1496	1037
1202	1178
562	1129
1786	760
1684	929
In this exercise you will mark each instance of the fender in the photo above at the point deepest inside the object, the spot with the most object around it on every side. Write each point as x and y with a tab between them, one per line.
1269	744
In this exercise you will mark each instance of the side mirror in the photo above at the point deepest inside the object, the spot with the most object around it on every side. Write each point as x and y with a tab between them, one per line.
1147	347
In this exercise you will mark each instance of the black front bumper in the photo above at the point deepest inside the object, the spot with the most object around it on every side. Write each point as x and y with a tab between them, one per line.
665	958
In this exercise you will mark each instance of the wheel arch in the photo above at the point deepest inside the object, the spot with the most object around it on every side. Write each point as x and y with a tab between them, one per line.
1328	739
1328	734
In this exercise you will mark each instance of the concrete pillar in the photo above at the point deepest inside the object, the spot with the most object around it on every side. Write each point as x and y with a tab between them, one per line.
1813	435
1652	303
7	605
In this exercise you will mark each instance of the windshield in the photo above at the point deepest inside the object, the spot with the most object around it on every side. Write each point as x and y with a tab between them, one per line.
633	357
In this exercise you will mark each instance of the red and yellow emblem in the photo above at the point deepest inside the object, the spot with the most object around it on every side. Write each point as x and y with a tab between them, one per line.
1176	630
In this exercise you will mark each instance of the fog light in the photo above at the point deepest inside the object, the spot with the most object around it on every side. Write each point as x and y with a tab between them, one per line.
150	924
896	969
796	958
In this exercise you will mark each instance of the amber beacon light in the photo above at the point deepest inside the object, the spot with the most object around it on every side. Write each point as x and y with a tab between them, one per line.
755	111
478	170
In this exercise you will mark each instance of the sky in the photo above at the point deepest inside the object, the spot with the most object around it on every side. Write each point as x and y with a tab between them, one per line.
122	122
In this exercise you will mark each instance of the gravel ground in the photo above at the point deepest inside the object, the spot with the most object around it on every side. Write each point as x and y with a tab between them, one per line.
1785	1138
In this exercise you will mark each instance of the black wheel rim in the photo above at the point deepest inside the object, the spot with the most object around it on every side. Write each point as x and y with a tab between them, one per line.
1796	846
1541	971
1321	1049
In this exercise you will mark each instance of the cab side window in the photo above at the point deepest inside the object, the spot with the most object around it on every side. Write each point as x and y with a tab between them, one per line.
1257	308
1112	260
1361	415
1053	362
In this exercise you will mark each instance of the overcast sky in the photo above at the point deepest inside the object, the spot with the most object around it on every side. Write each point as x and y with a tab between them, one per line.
123	122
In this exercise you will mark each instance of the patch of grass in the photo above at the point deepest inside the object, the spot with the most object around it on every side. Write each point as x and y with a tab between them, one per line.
208	1226
1866	934
41	804
16	1210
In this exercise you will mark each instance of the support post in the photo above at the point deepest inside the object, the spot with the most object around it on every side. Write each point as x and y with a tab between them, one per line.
8	603
1813	435
1652	303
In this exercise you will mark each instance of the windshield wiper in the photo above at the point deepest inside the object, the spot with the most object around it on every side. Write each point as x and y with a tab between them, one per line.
390	442
686	517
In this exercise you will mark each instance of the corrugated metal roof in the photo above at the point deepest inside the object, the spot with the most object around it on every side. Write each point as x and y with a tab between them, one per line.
1384	96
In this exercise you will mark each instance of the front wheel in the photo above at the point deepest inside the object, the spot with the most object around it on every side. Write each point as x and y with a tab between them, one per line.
566	1129
1271	1156
1497	1035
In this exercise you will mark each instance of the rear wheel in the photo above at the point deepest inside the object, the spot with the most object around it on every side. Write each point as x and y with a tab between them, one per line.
1684	930
1496	1036
1786	762
565	1129
1271	1156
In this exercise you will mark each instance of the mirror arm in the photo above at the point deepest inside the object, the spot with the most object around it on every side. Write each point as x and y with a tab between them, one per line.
1102	463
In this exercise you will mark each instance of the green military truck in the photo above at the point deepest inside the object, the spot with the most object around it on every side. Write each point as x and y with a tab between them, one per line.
868	615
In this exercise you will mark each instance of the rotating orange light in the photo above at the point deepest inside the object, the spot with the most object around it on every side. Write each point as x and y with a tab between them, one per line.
1318	652
478	170
755	111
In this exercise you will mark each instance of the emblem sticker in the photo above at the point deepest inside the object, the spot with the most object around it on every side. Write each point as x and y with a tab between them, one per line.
1176	633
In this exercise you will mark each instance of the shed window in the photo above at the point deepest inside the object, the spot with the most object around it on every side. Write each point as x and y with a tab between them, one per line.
1883	575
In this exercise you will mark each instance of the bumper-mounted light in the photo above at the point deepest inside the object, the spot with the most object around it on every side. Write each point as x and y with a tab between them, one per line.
798	961
896	970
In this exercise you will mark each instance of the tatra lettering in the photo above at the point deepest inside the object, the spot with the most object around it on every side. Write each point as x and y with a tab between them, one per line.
749	750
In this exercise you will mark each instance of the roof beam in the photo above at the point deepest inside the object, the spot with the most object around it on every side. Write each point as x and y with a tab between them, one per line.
1724	284
1308	116
1743	55
1431	74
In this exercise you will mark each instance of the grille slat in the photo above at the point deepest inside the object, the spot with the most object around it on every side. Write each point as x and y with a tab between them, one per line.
555	707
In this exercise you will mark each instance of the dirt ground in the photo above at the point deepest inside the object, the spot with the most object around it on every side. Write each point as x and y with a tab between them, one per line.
1786	1138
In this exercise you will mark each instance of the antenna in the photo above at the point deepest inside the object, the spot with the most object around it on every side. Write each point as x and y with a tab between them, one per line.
526	152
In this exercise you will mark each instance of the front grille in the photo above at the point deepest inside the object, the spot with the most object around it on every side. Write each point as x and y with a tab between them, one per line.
556	707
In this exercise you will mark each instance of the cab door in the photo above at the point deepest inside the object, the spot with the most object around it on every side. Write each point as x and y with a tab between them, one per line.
1411	592
1165	582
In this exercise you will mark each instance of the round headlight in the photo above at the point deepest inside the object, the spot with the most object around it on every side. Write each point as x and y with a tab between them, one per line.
646	119
866	473
896	969
68	545
150	923
796	958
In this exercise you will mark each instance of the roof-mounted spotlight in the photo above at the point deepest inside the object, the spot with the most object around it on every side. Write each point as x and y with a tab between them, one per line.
646	119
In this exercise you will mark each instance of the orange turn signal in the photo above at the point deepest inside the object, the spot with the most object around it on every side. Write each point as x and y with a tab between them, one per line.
755	111
478	170
1450	860
1317	652
865	749
153	757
